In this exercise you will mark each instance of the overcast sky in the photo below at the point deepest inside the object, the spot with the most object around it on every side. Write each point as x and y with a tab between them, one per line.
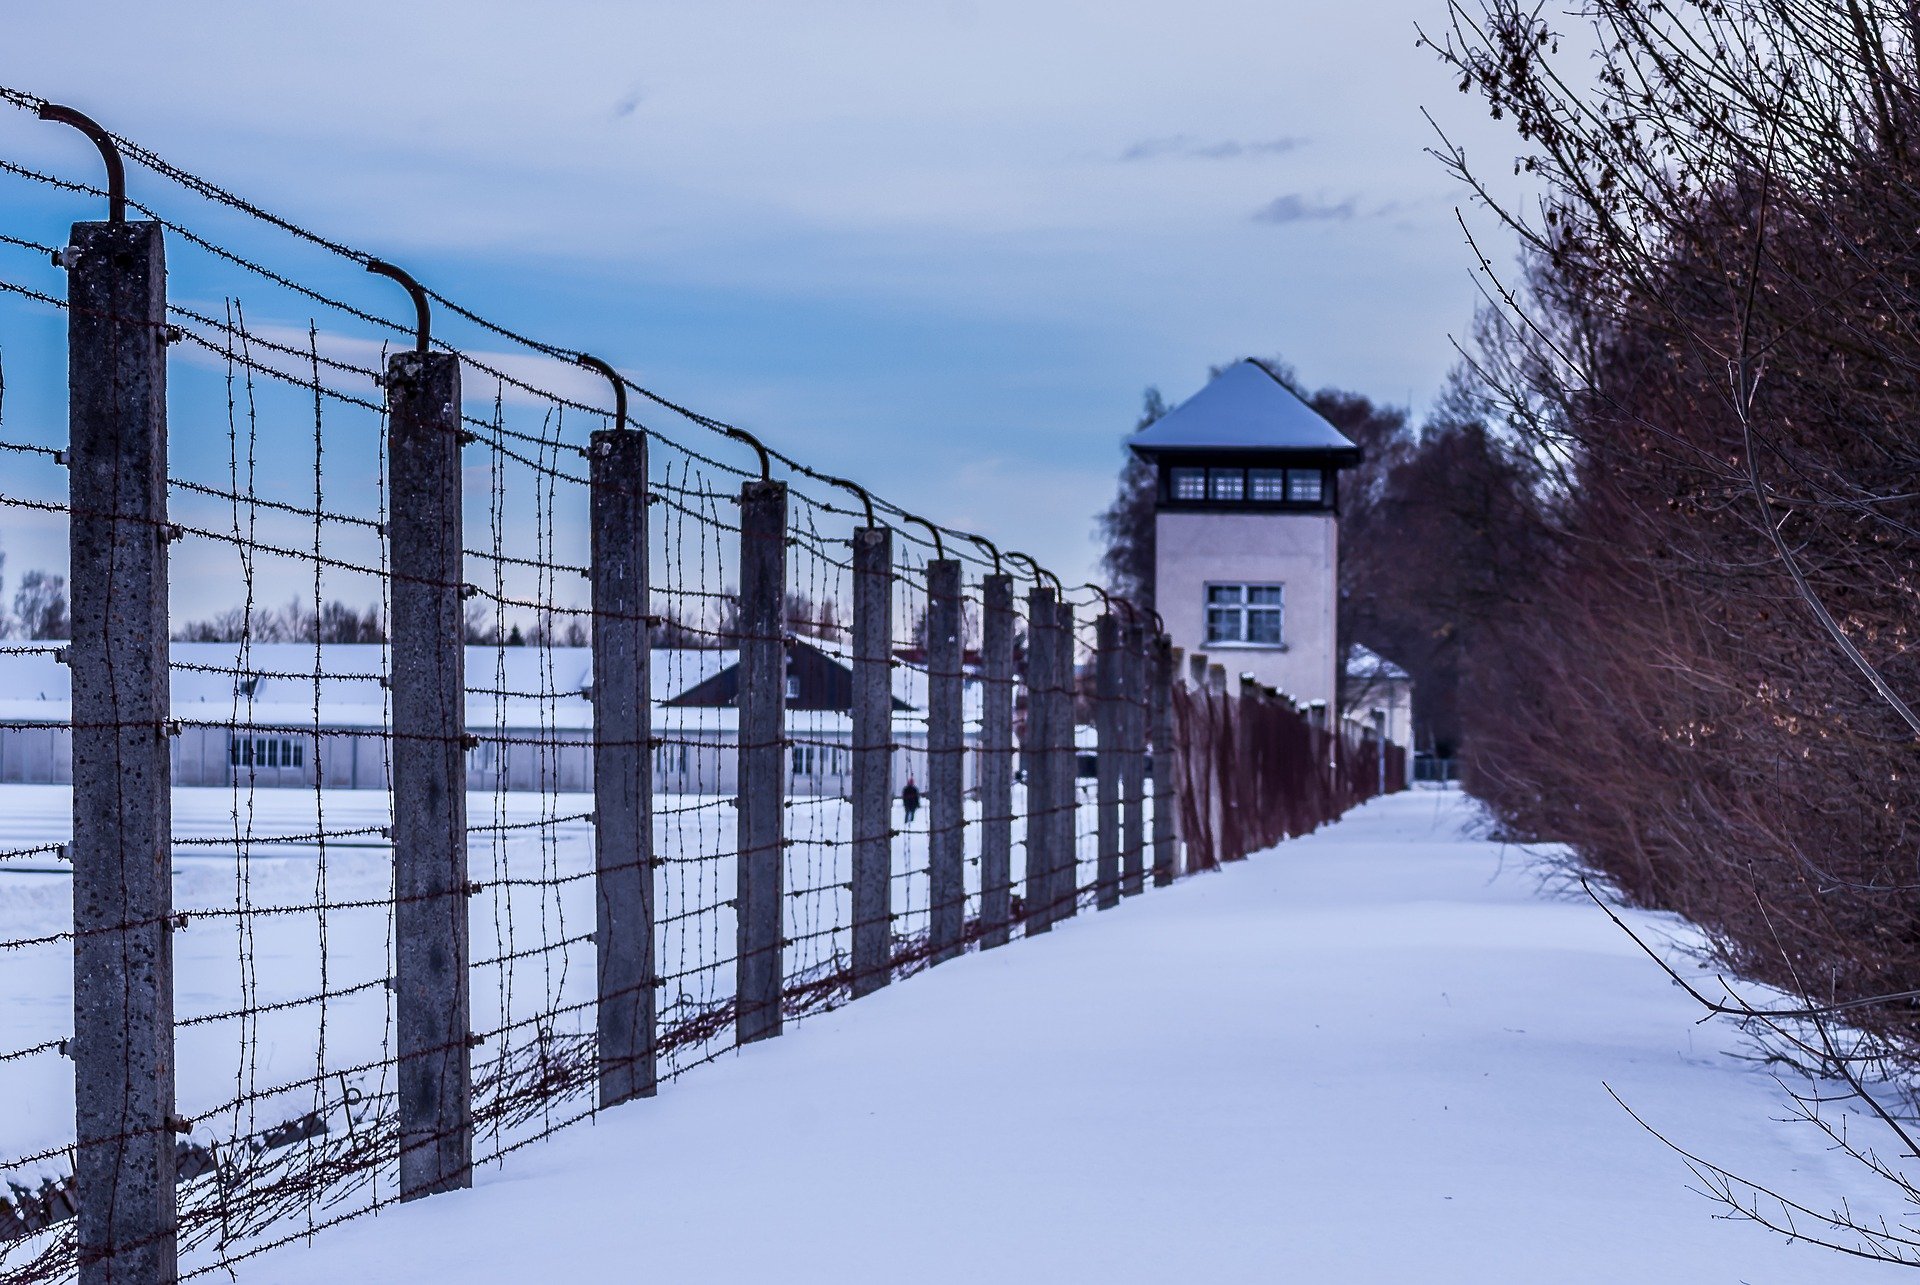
939	247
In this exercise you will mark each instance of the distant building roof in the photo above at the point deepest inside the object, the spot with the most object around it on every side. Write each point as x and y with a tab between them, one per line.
530	687
1244	408
1364	663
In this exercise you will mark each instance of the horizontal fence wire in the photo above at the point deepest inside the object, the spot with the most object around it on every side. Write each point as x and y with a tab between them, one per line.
285	752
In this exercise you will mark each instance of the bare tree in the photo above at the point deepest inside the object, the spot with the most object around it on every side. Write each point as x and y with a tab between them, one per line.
1711	351
335	622
40	605
1126	525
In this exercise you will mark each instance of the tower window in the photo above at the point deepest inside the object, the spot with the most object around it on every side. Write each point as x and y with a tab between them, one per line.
1248	615
1304	485
1189	483
1266	485
1226	484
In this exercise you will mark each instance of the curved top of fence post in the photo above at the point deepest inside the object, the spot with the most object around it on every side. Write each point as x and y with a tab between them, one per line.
423	321
742	435
613	377
116	172
939	545
858	490
990	547
1105	597
1135	611
1038	572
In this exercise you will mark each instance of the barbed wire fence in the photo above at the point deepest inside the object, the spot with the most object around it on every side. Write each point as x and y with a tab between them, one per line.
561	739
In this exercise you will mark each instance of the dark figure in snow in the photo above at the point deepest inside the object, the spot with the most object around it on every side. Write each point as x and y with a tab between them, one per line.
910	799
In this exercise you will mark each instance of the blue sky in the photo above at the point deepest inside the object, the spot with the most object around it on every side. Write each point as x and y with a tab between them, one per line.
941	248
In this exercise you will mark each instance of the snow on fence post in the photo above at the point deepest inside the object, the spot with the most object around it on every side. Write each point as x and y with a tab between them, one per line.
1162	662
428	656
122	809
1108	692
993	761
872	758
760	965
1042	627
622	766
1133	754
1066	778
946	761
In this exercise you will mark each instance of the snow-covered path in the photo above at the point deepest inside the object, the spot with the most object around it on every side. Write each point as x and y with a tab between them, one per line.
1372	1055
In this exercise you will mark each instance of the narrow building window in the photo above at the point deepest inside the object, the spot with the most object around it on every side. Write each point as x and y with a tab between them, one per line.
265	751
1188	483
1267	485
1226	484
1305	485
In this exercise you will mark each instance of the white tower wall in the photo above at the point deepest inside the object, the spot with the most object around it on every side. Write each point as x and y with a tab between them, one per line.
1299	551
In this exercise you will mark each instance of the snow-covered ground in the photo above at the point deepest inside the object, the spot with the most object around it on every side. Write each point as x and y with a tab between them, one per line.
255	1049
1377	1054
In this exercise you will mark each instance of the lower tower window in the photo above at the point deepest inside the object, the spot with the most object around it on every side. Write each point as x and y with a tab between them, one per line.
1249	615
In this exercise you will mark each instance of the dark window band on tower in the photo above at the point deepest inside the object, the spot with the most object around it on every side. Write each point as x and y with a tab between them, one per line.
1218	485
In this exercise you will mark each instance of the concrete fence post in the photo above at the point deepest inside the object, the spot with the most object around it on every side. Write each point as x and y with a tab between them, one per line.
1380	751
1133	755
1201	750
1162	662
993	761
946	761
1109	724
759	900
431	1004
1224	723
622	766
1041	835
122	808
1066	779
1246	810
872	758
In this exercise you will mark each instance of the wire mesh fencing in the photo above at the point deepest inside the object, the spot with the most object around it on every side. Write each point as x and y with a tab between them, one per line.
437	738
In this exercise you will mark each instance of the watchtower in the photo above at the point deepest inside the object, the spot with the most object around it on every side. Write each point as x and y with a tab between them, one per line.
1246	529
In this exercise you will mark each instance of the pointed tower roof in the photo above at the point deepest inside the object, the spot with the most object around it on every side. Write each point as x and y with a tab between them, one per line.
1245	409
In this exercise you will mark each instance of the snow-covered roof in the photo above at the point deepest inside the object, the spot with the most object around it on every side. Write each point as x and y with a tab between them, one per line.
272	685
1244	408
1365	663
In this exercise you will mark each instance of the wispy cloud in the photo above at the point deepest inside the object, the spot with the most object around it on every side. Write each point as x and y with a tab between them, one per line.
1187	147
1295	208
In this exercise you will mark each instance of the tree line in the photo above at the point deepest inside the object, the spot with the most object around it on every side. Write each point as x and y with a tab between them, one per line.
1707	364
1434	534
1654	558
38	608
301	620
